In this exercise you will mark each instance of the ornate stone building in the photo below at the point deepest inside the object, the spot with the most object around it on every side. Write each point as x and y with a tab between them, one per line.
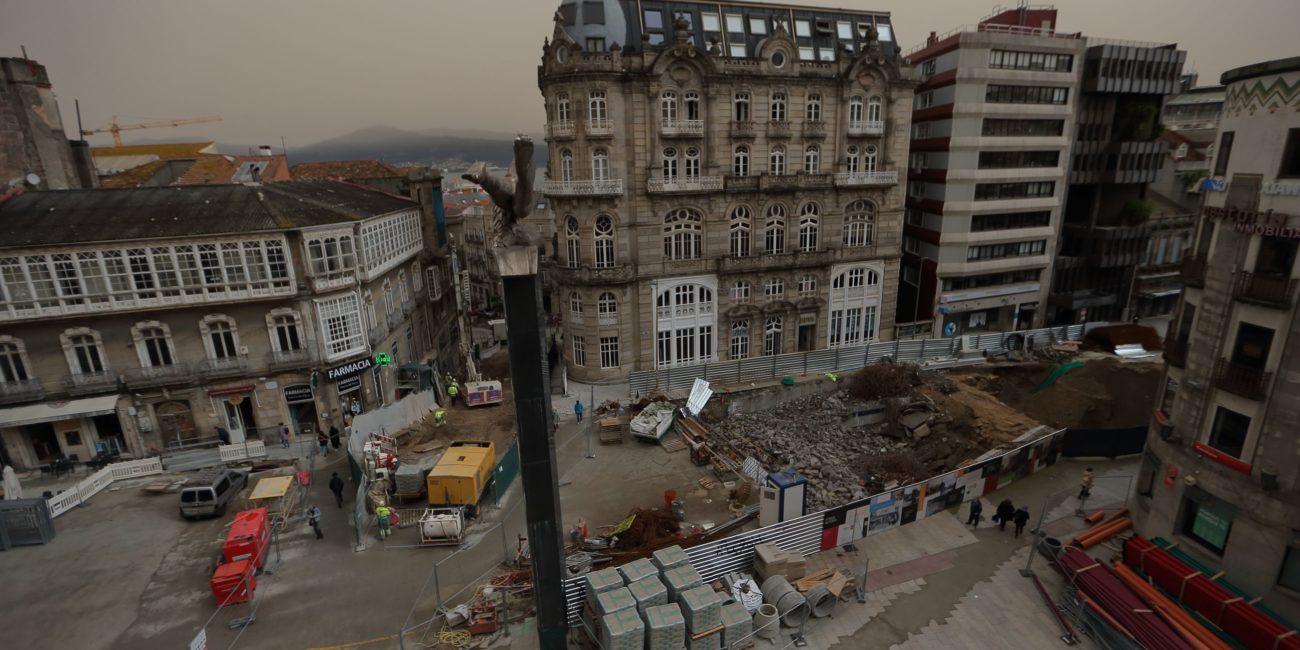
724	179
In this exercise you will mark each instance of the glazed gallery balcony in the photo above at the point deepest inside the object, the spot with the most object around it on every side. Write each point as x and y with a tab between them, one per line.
583	188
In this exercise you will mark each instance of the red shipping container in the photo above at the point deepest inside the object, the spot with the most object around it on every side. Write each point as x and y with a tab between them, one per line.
233	583
249	537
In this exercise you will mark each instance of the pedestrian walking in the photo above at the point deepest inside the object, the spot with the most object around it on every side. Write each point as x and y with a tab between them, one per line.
1085	484
976	513
334	437
381	515
324	442
453	392
1004	514
284	435
578	408
1021	517
439	417
313	517
336	486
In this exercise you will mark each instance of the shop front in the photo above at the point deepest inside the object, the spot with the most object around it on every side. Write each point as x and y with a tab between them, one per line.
232	408
301	401
347	379
38	435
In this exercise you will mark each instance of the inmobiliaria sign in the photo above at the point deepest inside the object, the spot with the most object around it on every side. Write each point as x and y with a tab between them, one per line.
1255	222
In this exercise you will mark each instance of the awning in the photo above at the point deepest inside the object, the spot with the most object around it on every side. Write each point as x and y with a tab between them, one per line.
55	411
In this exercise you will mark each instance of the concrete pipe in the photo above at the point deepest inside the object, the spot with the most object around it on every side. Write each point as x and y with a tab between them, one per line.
765	621
821	601
791	604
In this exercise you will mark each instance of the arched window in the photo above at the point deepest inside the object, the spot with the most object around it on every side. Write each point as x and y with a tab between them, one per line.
604	242
813	111
811	158
774	230
853	159
869	160
607	308
683	233
859	224
740	162
772	335
740	227
741	113
219	337
575	304
13	361
854	308
740	291
692	104
563	109
692	162
808	216
85	351
597	111
855	111
740	339
668	107
285	329
670	164
874	110
153	344
566	165
600	165
573	243
778	107
684	325
776	161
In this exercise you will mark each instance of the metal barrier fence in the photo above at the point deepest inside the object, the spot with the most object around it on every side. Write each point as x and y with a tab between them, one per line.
844	358
242	451
93	484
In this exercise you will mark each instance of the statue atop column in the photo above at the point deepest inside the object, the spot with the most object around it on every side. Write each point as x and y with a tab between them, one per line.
510	204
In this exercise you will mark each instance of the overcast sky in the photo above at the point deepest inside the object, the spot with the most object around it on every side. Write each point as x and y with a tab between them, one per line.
313	69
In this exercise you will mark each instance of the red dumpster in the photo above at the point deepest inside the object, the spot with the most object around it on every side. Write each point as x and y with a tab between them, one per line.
233	583
248	538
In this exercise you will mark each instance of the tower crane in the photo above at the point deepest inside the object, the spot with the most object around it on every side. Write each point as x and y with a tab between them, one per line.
117	129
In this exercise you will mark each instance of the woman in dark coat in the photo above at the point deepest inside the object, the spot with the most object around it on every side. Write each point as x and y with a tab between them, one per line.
1005	511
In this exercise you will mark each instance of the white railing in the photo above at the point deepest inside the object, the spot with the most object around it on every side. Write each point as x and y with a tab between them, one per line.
242	451
993	28
561	129
685	184
583	188
93	484
870	127
681	127
600	127
867	178
607	319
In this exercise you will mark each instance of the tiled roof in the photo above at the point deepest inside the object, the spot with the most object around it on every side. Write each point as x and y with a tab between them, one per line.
208	170
134	176
351	169
81	216
166	150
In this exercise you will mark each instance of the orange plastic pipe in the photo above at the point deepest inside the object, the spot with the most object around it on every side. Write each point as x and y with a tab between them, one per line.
1191	629
1099	533
1105	615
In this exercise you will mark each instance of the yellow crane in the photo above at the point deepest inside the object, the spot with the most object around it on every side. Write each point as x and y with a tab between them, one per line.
117	129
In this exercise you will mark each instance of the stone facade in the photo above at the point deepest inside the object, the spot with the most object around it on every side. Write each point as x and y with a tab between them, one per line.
32	136
662	156
1221	473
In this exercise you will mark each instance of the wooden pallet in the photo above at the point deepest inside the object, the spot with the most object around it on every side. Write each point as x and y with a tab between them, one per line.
673	444
611	430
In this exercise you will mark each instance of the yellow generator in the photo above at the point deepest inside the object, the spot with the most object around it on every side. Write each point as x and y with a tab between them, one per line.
463	474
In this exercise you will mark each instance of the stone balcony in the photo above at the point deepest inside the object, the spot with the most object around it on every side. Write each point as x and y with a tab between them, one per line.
23	390
866	179
592	276
1245	381
289	359
814	130
794	182
88	383
682	128
583	188
223	367
741	183
1265	290
561	130
767	261
743	130
780	129
867	127
152	376
600	128
684	184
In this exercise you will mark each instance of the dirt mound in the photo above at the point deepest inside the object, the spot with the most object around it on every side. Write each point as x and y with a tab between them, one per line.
1103	393
653	528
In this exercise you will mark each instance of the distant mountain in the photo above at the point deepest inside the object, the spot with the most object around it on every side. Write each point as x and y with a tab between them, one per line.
397	146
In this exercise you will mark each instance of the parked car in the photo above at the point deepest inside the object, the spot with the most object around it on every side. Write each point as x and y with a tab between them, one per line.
208	494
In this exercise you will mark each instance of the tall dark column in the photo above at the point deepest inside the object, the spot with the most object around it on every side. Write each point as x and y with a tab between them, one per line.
532	389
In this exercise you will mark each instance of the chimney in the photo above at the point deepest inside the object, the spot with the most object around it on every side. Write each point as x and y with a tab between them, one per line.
264	150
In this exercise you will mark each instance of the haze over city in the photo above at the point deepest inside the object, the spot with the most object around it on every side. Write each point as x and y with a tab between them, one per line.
309	71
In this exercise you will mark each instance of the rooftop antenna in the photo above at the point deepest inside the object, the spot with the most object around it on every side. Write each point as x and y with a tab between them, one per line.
24	49
80	130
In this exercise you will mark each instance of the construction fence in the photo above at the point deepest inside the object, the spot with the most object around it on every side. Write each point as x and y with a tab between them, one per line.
95	483
845	359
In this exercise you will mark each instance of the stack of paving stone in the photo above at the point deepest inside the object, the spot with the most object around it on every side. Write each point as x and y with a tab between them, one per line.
648	592
598	582
637	570
622	630
681	579
702	609
670	558
772	561
737	626
665	627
